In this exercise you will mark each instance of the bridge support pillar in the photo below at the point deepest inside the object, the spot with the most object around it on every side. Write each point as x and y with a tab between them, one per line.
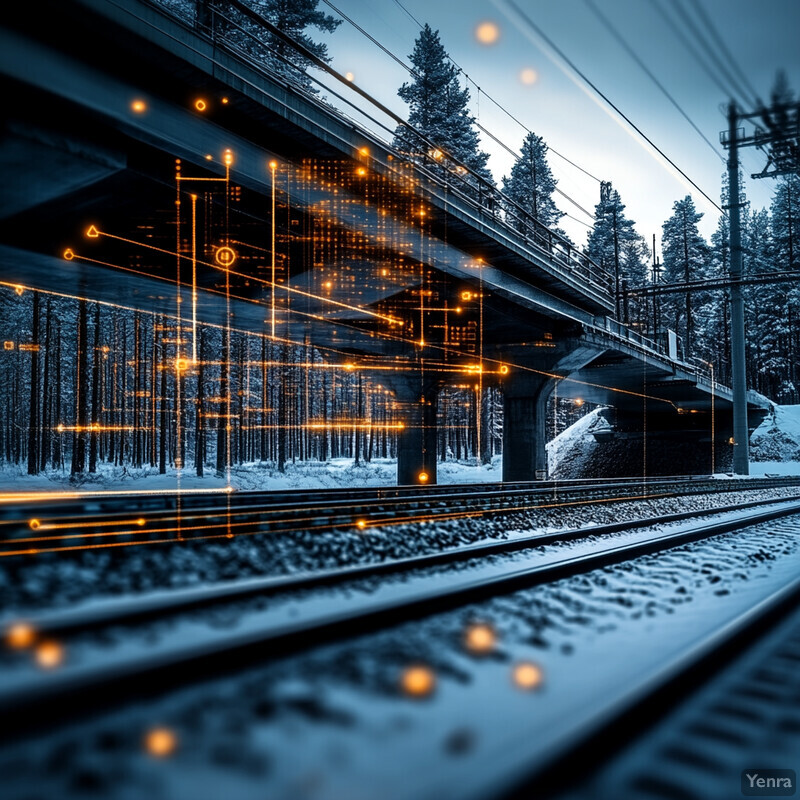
524	431
416	443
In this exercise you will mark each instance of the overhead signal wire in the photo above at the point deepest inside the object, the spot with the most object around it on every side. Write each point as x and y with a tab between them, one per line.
706	45
498	104
632	53
549	42
482	128
732	63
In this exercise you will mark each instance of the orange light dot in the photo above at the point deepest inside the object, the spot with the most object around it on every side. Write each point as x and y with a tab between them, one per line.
578	402
361	171
527	675
60	428
140	522
34	524
362	523
68	254
19	290
273	165
228	157
200	104
225	100
528	76
181	364
418	681
49	655
480	638
20	636
160	742
423	477
504	370
487	32
138	106
466	295
364	151
209	157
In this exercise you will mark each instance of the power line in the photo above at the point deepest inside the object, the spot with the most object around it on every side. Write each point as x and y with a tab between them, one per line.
698	34
483	129
732	62
528	21
497	104
691	48
629	50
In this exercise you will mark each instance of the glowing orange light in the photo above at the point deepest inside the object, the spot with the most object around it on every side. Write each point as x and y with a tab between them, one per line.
487	32
225	256
364	151
8	345
437	154
362	523
140	522
578	402
731	440
418	681
92	232
228	158
160	742
69	254
528	76
49	655
200	104
34	524
209	157
20	636
466	295
181	364
423	477
19	290
225	100
273	165
361	171
60	428
139	106
480	639
328	284
349	76
527	675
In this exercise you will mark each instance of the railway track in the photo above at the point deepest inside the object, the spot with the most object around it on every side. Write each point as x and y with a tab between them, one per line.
31	524
301	611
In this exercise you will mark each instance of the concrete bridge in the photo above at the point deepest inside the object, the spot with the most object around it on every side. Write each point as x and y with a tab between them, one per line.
400	260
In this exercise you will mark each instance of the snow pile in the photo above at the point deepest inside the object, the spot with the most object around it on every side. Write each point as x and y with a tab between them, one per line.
573	446
777	438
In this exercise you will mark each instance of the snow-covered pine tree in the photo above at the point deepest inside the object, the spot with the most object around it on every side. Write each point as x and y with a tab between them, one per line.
439	110
292	17
685	259
615	245
531	184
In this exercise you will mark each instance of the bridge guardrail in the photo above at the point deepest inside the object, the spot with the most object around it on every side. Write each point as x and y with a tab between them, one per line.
434	165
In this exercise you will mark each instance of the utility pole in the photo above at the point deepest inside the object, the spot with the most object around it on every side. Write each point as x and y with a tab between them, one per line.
741	433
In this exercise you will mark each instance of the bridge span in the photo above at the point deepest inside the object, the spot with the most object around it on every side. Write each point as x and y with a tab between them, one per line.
154	164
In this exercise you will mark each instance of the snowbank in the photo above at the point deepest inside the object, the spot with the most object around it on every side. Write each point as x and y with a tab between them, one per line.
777	438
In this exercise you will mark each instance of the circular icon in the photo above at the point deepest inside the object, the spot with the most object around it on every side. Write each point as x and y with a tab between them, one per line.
225	256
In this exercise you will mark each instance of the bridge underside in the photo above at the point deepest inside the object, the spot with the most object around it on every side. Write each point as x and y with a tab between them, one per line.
188	216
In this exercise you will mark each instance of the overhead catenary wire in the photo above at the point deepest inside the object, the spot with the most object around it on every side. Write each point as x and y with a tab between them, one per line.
481	127
708	48
586	80
732	62
496	103
632	53
726	90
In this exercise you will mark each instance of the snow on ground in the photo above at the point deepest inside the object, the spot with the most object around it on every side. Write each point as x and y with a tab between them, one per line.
338	473
777	438
775	450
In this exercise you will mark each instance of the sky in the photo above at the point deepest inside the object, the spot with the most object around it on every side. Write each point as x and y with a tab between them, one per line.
572	118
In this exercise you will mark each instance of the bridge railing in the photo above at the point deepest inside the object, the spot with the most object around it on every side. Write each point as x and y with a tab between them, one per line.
222	22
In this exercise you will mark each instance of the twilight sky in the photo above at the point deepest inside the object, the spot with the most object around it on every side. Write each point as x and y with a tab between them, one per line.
761	36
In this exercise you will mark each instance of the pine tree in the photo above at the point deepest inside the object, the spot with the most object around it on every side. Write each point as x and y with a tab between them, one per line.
685	259
615	245
439	110
531	183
